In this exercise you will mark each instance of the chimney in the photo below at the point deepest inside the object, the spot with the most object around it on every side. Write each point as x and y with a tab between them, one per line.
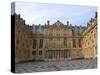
33	28
68	23
96	14
23	22
39	27
48	22
80	26
45	24
91	21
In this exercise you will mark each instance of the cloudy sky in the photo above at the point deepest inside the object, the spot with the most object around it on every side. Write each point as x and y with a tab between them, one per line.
37	13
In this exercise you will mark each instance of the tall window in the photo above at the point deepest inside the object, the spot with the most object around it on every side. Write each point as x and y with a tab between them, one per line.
65	53
41	43
33	52
40	52
74	43
34	43
65	42
58	38
79	42
50	34
65	34
58	34
50	39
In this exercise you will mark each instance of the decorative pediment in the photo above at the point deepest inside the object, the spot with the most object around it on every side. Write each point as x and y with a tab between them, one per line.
58	23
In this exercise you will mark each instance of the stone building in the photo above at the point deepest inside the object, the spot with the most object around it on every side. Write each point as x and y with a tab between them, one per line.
55	42
89	39
23	51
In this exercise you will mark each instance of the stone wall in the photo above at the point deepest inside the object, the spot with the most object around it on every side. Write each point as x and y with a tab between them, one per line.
89	40
23	50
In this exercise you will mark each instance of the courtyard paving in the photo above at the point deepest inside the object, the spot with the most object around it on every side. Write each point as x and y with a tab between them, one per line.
29	67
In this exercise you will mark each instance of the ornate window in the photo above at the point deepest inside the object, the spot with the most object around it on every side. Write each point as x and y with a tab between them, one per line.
50	39
41	43
65	34
58	38
34	43
33	52
50	34
58	34
79	42
74	43
40	52
65	42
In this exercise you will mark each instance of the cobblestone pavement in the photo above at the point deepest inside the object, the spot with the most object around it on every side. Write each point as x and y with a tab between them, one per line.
55	65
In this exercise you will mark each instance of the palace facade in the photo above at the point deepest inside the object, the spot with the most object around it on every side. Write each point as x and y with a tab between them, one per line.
55	42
